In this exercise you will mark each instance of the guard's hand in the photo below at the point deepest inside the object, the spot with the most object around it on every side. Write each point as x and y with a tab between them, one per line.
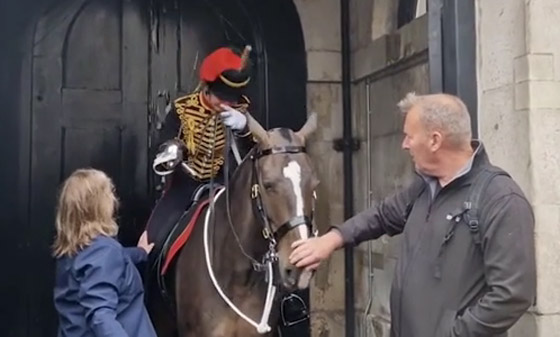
233	118
309	253
143	243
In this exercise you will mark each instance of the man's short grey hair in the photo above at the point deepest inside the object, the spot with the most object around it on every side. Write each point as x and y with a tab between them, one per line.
441	112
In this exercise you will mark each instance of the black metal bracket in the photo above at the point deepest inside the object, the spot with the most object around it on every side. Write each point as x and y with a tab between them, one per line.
341	144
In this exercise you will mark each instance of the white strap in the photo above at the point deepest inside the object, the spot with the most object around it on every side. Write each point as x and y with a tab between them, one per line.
262	327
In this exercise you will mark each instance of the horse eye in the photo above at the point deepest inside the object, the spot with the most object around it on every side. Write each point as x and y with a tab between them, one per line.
268	186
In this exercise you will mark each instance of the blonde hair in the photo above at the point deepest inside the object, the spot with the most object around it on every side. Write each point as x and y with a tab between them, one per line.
86	209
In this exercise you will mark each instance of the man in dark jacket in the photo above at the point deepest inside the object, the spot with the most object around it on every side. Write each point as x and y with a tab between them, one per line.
448	281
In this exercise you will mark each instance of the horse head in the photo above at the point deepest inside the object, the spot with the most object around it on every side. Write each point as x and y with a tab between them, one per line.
283	190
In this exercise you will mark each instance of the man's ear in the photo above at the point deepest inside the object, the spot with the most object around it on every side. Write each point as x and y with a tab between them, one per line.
436	140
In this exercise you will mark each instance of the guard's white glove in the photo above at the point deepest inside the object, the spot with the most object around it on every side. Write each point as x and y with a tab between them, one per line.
232	118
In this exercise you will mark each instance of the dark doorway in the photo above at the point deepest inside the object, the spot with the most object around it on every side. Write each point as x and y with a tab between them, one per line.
86	85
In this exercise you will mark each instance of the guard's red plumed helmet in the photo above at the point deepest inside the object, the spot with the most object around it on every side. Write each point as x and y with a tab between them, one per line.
226	73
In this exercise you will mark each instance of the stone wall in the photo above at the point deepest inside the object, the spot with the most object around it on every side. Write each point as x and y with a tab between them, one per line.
518	57
320	21
519	116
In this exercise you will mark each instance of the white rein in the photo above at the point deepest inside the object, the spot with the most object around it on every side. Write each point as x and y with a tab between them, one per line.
263	326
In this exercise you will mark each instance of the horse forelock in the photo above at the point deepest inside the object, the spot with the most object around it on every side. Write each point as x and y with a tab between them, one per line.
283	137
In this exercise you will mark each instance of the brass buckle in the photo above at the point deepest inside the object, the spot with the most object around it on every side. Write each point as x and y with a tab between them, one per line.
266	233
255	191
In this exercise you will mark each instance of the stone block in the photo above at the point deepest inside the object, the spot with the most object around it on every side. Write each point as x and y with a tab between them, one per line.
388	49
538	67
370	58
543	30
384	18
500	38
505	133
547	237
391	166
360	23
414	37
328	165
385	93
326	100
522	95
537	95
548	325
324	66
327	287
545	158
327	323
376	326
382	281
525	327
320	21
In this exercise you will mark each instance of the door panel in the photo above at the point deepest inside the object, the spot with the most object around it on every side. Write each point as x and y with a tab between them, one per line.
82	116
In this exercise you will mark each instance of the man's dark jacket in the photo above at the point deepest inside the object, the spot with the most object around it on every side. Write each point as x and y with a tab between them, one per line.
450	286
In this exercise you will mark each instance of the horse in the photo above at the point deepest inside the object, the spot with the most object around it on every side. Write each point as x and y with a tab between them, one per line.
237	253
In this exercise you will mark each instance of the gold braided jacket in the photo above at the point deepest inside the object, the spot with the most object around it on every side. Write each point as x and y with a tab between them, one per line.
203	134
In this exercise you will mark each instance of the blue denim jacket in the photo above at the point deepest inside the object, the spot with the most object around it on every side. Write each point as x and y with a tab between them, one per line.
99	292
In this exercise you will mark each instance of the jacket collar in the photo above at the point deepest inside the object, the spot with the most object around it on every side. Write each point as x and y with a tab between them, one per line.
478	160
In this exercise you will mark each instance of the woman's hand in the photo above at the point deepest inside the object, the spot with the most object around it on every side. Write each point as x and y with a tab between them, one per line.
143	243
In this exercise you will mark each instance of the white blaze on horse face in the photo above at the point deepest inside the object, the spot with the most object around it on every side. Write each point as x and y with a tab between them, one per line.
292	171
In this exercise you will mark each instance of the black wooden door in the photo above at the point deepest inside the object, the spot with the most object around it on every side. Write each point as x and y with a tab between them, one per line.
103	72
89	109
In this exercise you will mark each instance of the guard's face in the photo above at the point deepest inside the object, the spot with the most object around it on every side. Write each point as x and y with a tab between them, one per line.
216	103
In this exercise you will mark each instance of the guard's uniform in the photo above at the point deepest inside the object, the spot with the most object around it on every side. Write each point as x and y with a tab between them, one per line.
200	133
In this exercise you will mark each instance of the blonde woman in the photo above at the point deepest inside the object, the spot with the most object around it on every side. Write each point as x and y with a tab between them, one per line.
98	290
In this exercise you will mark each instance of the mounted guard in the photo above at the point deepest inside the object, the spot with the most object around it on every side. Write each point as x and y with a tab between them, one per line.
247	247
192	153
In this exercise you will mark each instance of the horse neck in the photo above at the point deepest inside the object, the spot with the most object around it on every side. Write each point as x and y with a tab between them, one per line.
247	230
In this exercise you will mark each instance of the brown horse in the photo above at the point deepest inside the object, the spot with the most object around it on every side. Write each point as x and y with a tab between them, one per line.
250	226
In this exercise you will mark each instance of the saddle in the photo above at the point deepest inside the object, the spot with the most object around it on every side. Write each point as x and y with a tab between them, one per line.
181	231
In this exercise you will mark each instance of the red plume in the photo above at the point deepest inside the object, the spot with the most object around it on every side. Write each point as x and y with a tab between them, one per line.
217	62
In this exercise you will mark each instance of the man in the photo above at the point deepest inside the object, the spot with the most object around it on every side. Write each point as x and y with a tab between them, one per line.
193	138
446	282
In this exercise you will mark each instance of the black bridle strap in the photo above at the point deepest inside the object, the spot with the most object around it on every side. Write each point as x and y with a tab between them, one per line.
258	204
291	224
280	149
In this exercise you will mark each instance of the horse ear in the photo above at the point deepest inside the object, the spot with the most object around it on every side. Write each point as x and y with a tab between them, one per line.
257	130
309	127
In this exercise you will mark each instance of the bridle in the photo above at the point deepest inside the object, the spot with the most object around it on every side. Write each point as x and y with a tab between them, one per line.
271	235
268	232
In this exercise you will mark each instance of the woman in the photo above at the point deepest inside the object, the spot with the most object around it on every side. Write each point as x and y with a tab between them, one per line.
98	290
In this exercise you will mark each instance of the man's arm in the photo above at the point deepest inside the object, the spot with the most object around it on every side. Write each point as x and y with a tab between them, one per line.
386	217
509	266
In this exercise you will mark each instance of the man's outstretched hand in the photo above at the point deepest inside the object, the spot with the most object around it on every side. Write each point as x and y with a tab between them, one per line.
309	253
